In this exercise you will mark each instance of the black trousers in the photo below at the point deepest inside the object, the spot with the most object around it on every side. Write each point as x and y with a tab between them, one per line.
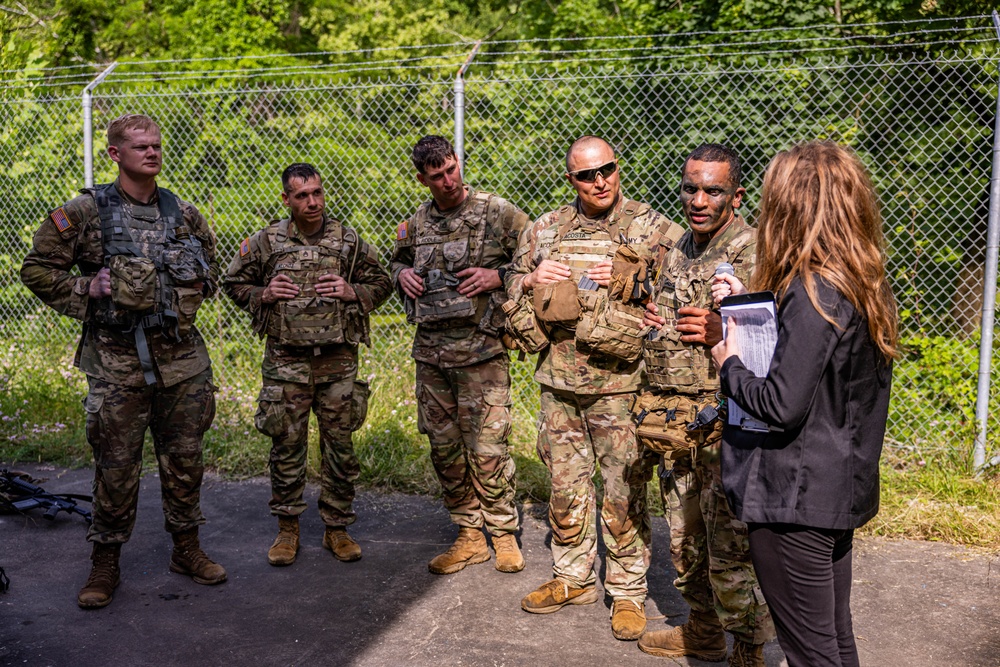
805	575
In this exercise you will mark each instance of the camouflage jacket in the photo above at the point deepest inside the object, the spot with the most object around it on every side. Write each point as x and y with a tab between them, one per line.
457	346
684	278
70	237
562	365
246	279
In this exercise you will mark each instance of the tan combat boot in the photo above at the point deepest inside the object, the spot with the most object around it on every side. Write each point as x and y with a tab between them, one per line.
556	594
701	637
509	558
628	619
746	654
188	559
104	577
469	548
340	543
286	544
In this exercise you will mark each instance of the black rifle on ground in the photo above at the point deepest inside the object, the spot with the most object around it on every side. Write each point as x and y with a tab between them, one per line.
18	494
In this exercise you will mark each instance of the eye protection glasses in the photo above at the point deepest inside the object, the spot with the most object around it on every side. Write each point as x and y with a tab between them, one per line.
590	175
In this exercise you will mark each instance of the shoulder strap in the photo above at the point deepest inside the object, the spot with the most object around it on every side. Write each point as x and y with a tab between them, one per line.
115	235
567	219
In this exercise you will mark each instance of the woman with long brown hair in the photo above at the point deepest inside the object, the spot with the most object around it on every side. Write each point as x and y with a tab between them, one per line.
807	484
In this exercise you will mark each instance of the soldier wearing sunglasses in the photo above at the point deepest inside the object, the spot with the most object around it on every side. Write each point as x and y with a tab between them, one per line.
586	394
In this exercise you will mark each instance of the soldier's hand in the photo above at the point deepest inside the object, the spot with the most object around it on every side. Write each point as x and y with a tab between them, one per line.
477	280
698	325
100	286
549	271
725	284
650	317
412	284
727	348
281	288
335	287
600	273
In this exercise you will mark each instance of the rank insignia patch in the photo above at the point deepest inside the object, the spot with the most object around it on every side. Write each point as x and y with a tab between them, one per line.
61	220
402	230
245	247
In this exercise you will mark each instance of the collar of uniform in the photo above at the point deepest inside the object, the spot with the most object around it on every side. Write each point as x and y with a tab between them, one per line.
437	215
735	226
132	200
613	213
296	233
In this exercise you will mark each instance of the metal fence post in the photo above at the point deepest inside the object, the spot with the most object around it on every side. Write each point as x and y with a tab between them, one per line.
460	105
989	290
88	129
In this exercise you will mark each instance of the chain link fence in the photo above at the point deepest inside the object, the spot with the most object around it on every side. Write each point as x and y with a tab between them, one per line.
922	123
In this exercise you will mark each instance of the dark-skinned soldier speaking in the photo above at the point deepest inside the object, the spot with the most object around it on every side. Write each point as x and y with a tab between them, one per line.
708	545
309	284
448	265
146	261
580	276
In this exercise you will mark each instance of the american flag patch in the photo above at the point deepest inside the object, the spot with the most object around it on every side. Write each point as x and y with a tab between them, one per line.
60	219
245	247
402	230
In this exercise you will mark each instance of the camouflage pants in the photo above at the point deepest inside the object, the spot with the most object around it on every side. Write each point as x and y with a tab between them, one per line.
711	550
283	413
575	434
465	413
117	419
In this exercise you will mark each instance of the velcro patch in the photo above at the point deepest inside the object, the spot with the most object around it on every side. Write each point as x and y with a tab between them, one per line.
245	247
60	219
402	230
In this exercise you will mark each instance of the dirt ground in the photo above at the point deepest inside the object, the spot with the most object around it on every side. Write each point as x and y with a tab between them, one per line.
915	604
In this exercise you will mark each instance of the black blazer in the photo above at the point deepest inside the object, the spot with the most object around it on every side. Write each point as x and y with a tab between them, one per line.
828	388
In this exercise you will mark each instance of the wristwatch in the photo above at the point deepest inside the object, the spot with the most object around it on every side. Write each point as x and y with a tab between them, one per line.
501	272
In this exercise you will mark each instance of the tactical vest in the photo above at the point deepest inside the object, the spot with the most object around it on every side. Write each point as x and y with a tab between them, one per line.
670	363
438	256
607	326
309	319
157	269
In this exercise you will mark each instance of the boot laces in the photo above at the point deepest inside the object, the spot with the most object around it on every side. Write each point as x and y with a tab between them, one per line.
103	571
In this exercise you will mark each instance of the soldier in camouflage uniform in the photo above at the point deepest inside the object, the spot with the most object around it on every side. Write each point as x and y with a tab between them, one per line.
709	547
309	283
146	261
586	395
448	266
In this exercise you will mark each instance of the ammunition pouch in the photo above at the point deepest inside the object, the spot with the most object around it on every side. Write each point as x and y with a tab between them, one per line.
133	282
441	300
523	331
613	328
557	303
663	422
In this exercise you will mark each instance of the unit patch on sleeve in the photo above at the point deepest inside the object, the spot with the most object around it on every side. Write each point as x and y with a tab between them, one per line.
402	230
245	247
61	220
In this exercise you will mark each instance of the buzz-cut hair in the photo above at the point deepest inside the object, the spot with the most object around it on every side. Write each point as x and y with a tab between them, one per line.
432	151
302	170
718	153
119	128
585	140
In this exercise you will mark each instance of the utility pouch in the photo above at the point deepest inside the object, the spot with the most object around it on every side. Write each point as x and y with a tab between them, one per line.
663	422
557	303
494	319
185	303
133	282
185	265
613	328
523	330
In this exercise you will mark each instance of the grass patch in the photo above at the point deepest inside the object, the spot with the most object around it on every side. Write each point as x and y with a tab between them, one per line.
928	490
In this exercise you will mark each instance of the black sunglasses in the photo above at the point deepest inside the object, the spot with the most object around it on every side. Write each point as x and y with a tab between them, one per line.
590	175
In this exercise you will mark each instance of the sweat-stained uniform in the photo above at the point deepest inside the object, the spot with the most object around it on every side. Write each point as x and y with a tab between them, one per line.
462	369
311	356
585	401
708	545
179	405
